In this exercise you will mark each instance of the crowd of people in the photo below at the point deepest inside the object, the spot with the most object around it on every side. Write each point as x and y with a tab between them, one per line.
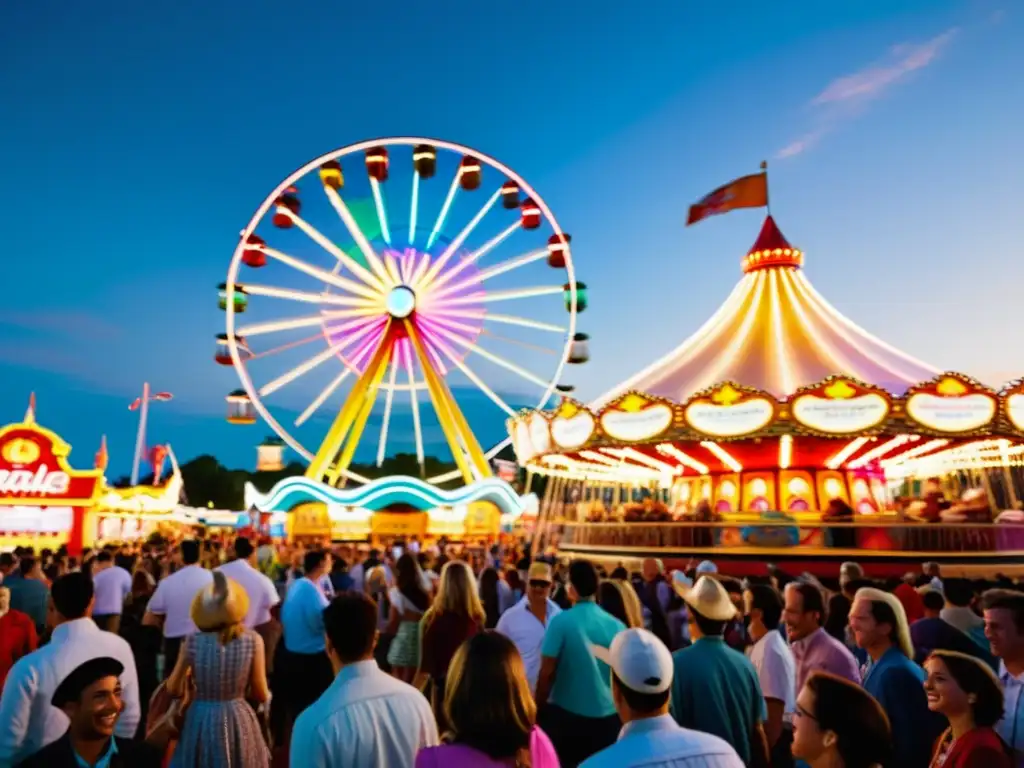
224	653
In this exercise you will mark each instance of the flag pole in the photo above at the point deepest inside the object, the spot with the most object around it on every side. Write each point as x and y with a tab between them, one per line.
767	200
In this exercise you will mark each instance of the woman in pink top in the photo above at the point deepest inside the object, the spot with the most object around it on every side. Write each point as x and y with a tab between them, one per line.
491	714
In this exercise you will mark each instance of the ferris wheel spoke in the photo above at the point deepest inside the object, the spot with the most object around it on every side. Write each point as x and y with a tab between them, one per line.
515	293
460	238
305	367
389	397
496	359
445	207
272	326
382	213
327	391
323	275
300	370
472	376
486	274
414	401
523	344
363	244
480	314
483	250
283	348
420	270
310	298
414	206
393	270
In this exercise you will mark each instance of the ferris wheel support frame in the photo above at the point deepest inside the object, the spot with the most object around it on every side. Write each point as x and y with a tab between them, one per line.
335	455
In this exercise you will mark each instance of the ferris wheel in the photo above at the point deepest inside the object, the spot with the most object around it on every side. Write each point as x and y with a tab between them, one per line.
378	296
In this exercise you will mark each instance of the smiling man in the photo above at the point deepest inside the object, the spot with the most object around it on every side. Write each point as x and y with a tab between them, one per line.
91	698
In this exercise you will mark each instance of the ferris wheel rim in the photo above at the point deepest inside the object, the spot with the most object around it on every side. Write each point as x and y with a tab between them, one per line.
387	141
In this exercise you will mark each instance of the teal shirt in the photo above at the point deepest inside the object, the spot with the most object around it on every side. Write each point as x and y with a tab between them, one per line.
715	690
105	758
582	683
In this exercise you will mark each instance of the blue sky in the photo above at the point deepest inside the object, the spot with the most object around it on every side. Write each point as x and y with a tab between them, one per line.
137	139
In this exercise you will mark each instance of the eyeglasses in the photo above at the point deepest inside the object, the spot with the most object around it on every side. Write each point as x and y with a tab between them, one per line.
801	712
539	584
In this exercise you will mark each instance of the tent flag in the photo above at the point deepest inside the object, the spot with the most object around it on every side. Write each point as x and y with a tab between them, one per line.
744	192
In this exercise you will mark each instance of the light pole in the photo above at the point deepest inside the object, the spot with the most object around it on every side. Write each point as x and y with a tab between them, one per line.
141	404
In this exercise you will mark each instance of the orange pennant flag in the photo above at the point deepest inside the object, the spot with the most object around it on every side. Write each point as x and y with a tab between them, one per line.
744	192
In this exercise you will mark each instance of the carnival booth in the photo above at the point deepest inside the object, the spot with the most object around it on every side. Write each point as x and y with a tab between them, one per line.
389	508
46	503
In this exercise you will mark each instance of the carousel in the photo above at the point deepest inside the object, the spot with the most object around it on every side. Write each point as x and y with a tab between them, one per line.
776	417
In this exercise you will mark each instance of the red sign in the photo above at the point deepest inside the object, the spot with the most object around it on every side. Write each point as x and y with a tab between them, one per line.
34	470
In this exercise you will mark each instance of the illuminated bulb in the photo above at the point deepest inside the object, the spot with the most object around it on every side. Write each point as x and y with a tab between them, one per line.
798	486
758	487
833	488
727	488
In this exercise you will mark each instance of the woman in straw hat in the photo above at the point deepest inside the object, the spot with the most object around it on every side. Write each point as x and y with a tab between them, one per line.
967	692
223	662
880	627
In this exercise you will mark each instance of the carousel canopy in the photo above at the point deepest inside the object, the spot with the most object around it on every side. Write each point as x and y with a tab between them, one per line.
775	333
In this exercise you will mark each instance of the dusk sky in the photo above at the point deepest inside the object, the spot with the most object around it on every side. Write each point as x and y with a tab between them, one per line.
136	140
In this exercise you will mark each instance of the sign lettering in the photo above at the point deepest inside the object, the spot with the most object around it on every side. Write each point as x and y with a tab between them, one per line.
840	416
637	425
730	420
951	414
24	482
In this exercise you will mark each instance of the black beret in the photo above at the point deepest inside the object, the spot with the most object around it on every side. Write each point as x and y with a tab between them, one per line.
87	673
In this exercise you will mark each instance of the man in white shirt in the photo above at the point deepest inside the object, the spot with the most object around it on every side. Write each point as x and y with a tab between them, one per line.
1004	628
171	604
28	722
526	622
262	594
260	589
641	682
112	584
776	669
366	718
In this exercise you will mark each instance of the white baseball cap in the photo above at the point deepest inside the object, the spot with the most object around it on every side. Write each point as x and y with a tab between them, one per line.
639	659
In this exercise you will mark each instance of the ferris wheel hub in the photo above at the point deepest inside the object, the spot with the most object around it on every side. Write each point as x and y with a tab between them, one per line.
400	302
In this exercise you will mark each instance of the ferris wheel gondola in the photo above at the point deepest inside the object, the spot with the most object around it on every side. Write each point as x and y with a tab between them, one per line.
405	310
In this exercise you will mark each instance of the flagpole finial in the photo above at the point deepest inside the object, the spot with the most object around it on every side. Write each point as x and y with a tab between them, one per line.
30	414
764	165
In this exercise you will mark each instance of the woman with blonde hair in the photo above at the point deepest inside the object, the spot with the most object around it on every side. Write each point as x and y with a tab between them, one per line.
620	599
968	694
455	616
220	664
491	714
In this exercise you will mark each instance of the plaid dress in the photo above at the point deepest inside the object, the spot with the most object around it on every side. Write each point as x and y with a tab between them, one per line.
221	729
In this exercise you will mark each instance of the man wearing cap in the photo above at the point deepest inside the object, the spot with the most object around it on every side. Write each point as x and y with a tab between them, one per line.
641	684
526	622
91	697
715	688
573	692
27	721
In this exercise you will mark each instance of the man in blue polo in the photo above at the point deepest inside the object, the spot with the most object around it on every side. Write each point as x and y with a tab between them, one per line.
573	687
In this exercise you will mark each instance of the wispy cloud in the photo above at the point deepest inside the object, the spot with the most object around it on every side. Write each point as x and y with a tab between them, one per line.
846	97
68	323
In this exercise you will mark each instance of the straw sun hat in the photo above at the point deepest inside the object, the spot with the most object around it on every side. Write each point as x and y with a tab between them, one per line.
221	605
707	597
